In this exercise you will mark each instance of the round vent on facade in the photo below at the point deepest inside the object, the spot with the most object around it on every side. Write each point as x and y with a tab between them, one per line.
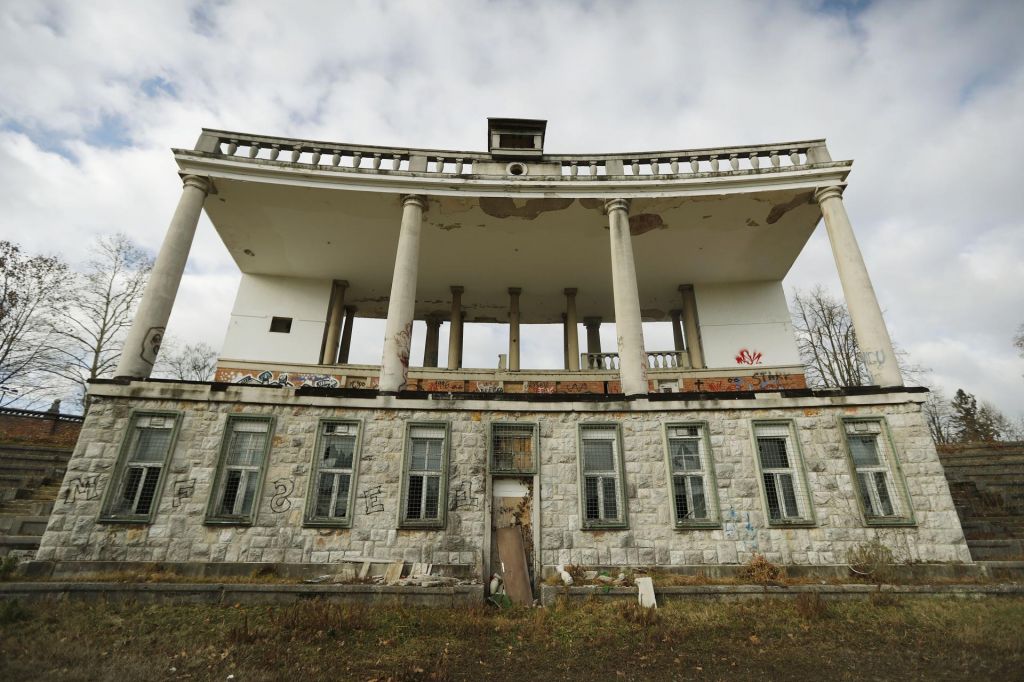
516	168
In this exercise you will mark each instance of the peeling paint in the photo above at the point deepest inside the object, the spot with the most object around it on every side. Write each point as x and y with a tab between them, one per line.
505	207
645	222
779	210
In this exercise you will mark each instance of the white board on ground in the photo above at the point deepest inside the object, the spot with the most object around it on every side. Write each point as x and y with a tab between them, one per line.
645	592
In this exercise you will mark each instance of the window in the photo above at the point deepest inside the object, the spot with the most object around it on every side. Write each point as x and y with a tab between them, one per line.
513	448
694	497
240	474
782	479
875	470
281	325
426	474
334	470
138	478
601	475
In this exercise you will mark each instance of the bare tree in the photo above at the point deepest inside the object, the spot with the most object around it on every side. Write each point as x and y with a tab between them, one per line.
94	327
1018	340
828	345
192	362
938	414
33	293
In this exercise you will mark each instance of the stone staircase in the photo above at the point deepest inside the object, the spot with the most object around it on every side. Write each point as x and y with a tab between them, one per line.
30	480
987	484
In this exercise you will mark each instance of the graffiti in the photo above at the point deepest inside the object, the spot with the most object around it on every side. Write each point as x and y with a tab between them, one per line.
759	381
371	498
280	503
442	385
580	387
464	496
740	528
767	380
181	490
285	380
539	386
487	387
748	357
151	344
84	487
873	357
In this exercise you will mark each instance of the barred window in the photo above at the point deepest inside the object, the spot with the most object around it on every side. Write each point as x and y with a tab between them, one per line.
693	495
334	464
425	475
240	474
873	467
781	475
143	460
512	448
601	476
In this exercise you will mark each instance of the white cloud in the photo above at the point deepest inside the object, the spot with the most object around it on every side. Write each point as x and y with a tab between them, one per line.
928	97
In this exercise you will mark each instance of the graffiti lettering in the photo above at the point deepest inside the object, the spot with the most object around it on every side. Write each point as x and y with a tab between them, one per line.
748	357
84	487
182	490
371	498
464	495
280	503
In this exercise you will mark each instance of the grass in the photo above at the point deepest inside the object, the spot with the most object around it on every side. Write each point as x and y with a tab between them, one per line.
762	639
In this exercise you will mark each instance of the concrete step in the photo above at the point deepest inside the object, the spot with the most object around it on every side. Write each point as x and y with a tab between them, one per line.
13	524
9	543
27	507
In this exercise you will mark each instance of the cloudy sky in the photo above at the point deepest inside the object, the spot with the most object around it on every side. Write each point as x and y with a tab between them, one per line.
927	97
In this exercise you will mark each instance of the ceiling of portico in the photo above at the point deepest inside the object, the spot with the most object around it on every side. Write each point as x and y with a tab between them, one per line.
487	245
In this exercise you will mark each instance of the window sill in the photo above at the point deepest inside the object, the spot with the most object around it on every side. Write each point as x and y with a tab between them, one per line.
323	523
411	525
618	525
889	522
698	525
227	522
131	521
801	523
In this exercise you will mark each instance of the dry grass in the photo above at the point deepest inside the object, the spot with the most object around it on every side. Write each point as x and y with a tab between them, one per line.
762	639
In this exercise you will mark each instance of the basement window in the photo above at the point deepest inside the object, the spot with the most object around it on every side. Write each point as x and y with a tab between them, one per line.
601	476
876	474
240	471
334	473
513	448
139	475
281	325
425	476
694	497
782	477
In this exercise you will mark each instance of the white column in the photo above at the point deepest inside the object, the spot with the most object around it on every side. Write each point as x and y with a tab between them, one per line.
346	334
455	330
394	366
334	318
866	315
692	326
572	349
147	331
513	328
632	357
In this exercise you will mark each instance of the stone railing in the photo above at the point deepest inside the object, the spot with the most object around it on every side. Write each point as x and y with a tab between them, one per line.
639	165
656	359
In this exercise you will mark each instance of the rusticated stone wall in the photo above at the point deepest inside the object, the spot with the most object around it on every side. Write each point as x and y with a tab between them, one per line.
178	533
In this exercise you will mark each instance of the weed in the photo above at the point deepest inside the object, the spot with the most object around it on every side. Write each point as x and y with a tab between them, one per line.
810	606
11	611
640	615
872	561
318	617
880	598
759	570
8	565
578	573
241	633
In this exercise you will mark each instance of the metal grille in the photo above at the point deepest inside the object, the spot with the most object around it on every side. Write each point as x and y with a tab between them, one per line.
601	480
872	460
426	460
783	485
512	447
334	471
147	451
689	470
247	444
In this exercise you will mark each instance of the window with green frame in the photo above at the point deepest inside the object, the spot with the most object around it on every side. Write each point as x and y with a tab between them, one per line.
513	447
334	472
877	477
782	476
601	478
425	476
139	476
694	499
240	470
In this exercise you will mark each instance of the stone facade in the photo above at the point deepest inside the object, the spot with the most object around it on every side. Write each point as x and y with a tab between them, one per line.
178	532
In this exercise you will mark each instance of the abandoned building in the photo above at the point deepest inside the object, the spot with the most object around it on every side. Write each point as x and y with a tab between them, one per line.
703	453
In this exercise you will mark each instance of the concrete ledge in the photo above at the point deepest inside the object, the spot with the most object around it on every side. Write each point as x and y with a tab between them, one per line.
550	594
217	569
901	572
181	593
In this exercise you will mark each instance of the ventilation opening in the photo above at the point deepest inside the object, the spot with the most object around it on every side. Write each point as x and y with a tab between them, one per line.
281	325
517	169
516	141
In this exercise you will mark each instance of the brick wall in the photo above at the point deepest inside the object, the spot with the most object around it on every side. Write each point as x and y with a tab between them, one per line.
29	427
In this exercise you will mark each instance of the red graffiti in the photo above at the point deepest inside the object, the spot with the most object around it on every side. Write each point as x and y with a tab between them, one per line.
746	357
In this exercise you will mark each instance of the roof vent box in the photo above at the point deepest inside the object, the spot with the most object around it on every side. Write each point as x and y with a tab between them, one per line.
516	138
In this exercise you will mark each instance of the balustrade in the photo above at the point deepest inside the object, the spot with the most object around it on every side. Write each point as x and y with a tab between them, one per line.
656	359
